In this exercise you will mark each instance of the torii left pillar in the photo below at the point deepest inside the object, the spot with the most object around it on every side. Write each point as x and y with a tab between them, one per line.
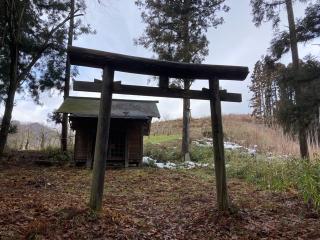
101	149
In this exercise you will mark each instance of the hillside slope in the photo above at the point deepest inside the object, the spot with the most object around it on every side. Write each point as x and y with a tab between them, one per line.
241	129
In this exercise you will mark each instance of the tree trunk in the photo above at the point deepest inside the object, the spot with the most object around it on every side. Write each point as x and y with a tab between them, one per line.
64	130
304	152
6	120
26	147
186	125
186	82
42	139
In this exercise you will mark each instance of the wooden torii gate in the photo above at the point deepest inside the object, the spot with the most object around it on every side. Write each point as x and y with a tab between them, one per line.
111	62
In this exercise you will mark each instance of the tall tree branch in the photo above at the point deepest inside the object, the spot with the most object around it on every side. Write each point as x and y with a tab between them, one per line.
45	45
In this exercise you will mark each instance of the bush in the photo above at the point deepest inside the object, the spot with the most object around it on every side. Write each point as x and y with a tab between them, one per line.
201	154
162	153
173	154
56	156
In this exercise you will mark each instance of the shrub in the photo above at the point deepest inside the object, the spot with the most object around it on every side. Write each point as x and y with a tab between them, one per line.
172	153
162	153
201	154
55	155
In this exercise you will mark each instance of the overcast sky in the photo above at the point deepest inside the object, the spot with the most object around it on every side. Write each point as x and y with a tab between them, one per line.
118	22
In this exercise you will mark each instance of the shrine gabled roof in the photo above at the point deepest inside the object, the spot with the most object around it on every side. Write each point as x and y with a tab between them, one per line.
121	108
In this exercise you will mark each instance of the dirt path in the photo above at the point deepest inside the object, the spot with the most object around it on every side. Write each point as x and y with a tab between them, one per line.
50	203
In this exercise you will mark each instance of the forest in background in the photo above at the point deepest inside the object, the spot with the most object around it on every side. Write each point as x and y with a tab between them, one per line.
273	101
35	136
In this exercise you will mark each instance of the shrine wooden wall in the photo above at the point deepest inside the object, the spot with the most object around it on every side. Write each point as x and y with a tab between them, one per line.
122	131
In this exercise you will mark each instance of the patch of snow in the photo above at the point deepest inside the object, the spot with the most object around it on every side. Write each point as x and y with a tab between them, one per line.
190	164
171	165
204	142
252	151
147	160
208	142
231	145
158	164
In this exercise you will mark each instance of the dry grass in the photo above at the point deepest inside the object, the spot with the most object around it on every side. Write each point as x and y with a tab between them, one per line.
242	129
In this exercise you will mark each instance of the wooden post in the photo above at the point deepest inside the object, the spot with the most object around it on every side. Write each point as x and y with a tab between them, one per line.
218	146
163	82
89	151
101	146
126	152
141	146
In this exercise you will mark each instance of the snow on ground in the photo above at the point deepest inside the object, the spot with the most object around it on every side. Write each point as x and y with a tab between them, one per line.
204	142
208	142
171	165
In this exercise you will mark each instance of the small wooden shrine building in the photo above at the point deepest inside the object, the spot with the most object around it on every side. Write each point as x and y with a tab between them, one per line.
130	121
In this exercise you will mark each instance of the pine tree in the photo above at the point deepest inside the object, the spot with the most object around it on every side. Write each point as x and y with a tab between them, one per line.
176	31
265	89
257	100
270	10
307	29
280	106
289	112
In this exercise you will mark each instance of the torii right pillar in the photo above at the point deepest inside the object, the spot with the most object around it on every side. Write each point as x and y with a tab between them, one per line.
218	146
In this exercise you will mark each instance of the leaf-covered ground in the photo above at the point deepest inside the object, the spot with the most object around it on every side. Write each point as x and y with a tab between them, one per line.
51	203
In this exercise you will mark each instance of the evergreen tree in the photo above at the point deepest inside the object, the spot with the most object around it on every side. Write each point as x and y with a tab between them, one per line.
308	29
176	31
270	10
280	106
33	46
265	88
289	114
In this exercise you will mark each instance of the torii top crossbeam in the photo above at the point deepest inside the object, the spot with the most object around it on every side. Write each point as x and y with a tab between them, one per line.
123	63
111	62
